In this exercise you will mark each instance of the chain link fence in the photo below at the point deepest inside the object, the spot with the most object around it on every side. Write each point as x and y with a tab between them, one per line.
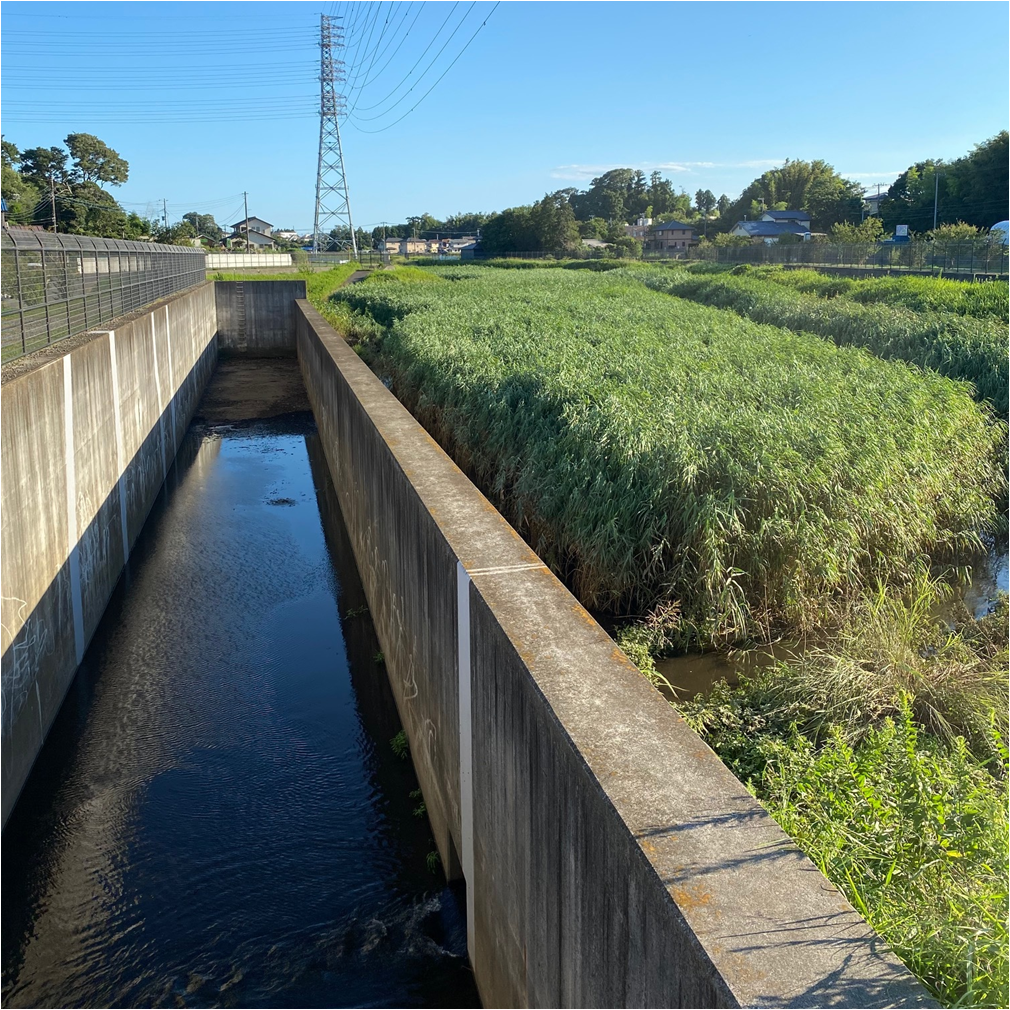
57	286
958	260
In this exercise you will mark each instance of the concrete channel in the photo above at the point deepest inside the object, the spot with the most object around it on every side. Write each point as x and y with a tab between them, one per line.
609	857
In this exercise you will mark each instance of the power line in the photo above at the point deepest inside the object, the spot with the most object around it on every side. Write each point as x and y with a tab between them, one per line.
369	108
392	57
435	85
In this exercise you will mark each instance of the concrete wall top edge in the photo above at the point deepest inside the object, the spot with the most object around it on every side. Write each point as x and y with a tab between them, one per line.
472	526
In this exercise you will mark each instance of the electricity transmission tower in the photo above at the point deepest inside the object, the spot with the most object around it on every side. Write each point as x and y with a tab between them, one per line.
333	205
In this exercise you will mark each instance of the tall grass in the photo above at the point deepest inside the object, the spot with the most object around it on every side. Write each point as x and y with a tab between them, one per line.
655	451
909	823
983	300
961	347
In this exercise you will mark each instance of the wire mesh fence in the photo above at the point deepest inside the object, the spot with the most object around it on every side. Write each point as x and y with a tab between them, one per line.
57	286
951	259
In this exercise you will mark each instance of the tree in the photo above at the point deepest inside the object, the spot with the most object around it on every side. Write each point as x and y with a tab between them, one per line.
21	196
972	189
813	186
595	227
423	223
204	226
959	231
730	240
82	206
870	230
705	201
724	204
95	161
628	247
553	222
510	231
44	165
181	233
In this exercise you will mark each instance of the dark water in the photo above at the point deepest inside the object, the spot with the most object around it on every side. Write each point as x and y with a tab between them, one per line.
218	818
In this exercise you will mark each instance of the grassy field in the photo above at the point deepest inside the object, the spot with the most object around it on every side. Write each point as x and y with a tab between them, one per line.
656	451
319	284
866	313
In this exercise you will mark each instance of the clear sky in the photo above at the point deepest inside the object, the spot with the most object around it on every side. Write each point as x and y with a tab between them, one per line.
206	100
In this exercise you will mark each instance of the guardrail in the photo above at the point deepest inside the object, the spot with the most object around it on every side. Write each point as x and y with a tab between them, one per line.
58	286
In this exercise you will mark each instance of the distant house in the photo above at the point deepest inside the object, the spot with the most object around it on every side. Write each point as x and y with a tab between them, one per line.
285	235
471	251
674	236
640	229
773	224
409	246
872	203
252	232
800	217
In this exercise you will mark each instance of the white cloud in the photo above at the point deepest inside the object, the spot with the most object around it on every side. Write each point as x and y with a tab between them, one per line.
882	175
583	173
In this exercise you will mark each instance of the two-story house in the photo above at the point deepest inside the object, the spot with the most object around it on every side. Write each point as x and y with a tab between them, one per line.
253	233
674	236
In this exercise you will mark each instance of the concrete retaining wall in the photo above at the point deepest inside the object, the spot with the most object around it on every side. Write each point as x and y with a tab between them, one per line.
87	439
610	858
245	261
257	318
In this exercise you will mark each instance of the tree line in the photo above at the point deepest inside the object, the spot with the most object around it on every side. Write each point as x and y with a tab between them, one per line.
972	194
63	187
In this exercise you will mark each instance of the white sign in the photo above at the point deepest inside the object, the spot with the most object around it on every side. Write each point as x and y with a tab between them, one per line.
901	231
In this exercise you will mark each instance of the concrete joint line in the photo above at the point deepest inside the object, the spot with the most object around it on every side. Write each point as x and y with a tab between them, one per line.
503	569
117	414
171	380
74	552
161	407
465	748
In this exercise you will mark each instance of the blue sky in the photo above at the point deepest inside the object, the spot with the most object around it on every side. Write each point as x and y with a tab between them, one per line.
206	100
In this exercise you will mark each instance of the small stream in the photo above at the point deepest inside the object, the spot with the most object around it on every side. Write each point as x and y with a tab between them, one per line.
218	818
695	673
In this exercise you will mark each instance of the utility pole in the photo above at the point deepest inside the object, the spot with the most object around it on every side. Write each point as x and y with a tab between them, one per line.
52	199
936	195
164	213
245	201
333	203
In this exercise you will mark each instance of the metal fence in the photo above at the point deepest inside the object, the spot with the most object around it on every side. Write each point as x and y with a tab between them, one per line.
951	259
57	286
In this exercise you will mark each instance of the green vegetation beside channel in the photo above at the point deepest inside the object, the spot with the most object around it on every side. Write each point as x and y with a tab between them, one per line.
983	300
734	481
655	451
319	284
955	345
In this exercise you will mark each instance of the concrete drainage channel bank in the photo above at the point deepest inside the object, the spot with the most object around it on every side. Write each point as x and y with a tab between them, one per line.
610	858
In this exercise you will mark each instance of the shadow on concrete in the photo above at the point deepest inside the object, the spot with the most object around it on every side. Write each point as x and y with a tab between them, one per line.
40	662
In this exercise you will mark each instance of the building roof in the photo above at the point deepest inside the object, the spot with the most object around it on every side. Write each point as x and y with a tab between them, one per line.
771	229
252	233
252	217
674	226
787	215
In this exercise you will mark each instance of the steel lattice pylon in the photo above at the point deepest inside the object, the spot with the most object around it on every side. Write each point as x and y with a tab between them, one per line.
333	204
